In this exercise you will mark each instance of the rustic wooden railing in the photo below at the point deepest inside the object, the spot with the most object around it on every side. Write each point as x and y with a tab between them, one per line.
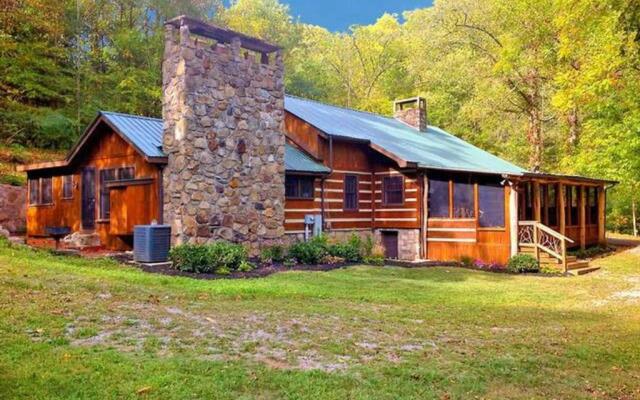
541	237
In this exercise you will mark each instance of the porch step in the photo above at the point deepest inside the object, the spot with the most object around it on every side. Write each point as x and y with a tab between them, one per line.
582	271
578	265
547	259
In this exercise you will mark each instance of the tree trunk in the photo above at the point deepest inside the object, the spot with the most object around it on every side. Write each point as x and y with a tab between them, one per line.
534	135
573	120
633	216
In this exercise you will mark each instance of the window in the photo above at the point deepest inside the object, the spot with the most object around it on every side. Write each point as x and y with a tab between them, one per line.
553	205
463	204
438	198
491	205
126	173
41	191
298	187
106	175
392	190
573	205
592	204
34	191
350	192
67	187
528	209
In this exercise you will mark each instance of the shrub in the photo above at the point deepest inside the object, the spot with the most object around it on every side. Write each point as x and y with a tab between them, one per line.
329	259
351	250
218	257
310	252
246	266
466	261
376	256
189	257
523	263
275	253
13	180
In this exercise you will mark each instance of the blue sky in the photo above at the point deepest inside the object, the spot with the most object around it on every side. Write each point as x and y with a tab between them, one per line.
338	15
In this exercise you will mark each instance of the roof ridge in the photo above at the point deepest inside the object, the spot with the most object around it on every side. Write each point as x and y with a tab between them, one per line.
130	115
342	107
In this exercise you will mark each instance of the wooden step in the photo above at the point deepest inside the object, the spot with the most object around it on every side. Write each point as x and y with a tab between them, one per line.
578	264
582	271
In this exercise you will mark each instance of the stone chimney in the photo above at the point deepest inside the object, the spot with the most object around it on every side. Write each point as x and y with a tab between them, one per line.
412	112
223	111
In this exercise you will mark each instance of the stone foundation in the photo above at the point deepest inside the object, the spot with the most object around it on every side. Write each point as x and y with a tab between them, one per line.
223	112
408	243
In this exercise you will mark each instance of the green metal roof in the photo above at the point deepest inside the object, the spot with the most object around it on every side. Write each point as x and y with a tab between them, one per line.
143	132
146	134
297	161
434	148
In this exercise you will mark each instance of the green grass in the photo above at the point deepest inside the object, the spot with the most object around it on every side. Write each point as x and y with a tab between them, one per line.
79	329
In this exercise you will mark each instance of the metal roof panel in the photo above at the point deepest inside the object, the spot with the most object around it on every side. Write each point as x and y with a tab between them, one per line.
432	149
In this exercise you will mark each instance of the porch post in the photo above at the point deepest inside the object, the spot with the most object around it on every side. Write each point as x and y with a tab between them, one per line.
536	201
562	193
583	218
513	219
601	215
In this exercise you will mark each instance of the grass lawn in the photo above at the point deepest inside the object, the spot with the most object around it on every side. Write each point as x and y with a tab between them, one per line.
77	329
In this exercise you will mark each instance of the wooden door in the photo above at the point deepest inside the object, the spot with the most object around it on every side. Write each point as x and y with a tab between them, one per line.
89	198
390	244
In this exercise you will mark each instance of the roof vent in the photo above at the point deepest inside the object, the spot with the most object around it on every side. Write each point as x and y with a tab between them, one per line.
412	111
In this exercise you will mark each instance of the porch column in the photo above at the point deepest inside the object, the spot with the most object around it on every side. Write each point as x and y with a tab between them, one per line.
602	239
562	200
536	201
582	220
513	219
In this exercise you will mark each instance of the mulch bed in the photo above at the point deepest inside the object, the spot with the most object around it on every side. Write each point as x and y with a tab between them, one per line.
260	271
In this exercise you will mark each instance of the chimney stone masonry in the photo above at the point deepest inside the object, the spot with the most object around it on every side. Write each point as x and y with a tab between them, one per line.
223	110
412	112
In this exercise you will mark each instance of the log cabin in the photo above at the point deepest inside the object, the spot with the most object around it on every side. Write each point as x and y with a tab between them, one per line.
234	158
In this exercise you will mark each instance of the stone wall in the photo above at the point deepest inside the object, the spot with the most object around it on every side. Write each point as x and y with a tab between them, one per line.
13	208
408	243
223	112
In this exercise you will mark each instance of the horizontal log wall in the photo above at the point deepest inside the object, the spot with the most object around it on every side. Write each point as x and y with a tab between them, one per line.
129	206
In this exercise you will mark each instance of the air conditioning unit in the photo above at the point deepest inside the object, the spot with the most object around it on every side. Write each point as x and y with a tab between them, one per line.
151	243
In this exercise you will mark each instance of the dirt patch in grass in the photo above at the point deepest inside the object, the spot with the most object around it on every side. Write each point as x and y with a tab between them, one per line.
260	271
306	342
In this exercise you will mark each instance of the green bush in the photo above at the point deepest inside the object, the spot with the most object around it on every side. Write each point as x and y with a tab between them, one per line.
523	263
310	252
218	257
13	180
276	253
377	260
466	261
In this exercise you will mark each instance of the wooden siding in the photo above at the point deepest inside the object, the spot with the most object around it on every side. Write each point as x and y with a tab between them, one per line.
130	204
452	238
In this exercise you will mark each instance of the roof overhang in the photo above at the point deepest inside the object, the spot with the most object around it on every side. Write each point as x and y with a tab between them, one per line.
82	141
566	178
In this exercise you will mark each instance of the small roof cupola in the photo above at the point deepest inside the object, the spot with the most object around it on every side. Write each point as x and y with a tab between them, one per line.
412	111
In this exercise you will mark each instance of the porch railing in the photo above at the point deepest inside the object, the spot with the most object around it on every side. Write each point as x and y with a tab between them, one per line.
542	238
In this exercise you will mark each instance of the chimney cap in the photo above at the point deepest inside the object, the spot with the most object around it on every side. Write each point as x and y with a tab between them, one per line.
222	35
420	101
